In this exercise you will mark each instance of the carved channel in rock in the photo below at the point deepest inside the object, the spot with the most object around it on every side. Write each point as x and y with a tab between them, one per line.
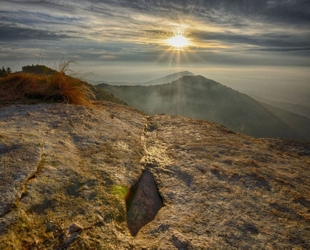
143	203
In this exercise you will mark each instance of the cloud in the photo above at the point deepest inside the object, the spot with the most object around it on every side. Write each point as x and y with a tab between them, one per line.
13	33
283	11
136	30
272	41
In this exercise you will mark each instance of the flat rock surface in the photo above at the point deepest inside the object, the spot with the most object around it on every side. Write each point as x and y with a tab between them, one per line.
220	190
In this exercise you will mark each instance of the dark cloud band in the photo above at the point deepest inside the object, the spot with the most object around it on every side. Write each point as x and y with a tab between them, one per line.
11	33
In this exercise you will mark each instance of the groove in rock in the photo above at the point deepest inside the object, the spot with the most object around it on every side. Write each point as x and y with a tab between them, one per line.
33	176
12	206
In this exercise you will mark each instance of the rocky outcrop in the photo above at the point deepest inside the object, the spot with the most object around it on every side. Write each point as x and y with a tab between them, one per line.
143	203
220	189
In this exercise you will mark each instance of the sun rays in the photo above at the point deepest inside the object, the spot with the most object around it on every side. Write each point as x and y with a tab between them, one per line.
178	41
178	48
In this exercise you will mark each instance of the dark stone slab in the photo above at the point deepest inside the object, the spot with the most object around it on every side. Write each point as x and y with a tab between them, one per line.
143	203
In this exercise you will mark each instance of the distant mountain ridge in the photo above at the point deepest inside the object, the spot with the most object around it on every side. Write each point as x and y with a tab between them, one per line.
168	78
292	107
157	81
202	98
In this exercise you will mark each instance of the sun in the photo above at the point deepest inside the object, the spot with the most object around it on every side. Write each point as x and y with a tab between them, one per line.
178	41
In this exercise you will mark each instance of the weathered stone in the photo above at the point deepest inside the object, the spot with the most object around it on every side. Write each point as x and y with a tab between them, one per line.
220	190
19	162
143	203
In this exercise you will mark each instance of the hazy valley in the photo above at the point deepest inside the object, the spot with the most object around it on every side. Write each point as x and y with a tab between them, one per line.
201	98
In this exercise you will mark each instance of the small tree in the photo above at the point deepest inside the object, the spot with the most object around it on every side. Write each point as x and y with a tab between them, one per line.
8	70
3	72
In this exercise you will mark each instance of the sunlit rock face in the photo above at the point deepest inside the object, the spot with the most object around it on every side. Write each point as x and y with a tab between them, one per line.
220	189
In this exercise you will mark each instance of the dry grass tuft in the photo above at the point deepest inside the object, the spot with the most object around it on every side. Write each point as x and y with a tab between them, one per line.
29	88
69	90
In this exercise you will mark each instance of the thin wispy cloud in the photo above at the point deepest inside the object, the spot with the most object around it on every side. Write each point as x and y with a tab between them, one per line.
137	30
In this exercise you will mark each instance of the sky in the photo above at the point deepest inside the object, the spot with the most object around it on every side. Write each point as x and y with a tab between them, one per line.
256	46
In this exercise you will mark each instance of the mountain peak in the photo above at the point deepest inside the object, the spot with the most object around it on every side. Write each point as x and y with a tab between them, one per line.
198	97
169	78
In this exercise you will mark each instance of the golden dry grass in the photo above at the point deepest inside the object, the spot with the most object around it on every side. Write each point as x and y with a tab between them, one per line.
71	90
29	88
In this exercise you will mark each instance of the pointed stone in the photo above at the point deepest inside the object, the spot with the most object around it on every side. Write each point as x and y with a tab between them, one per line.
143	203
